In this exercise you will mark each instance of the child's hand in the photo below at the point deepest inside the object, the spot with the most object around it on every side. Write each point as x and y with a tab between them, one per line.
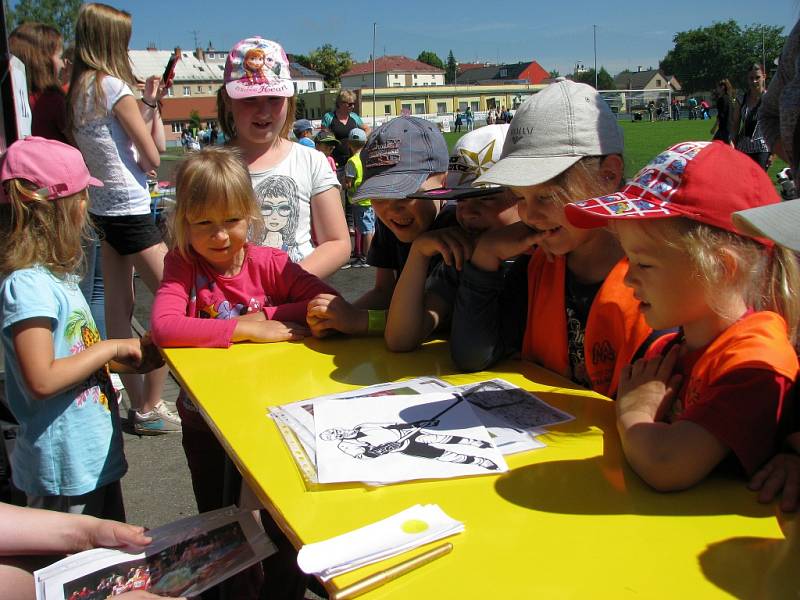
264	332
328	313
779	477
452	243
153	89
647	387
151	356
128	352
499	245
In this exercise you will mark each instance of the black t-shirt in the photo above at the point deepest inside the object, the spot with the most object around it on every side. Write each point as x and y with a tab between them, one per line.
724	117
578	301
388	252
341	152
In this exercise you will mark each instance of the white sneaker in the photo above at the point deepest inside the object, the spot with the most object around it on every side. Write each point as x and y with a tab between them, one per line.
158	421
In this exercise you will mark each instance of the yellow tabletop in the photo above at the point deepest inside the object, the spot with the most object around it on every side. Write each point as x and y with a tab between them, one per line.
569	520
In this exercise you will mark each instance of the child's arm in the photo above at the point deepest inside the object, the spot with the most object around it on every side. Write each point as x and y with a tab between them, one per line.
44	375
780	477
489	315
668	456
328	313
499	245
413	313
294	286
330	231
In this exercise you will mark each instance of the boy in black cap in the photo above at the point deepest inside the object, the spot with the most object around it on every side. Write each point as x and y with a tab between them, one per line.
405	156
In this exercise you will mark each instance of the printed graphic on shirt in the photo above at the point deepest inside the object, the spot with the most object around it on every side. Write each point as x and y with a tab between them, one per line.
211	305
81	334
576	335
280	207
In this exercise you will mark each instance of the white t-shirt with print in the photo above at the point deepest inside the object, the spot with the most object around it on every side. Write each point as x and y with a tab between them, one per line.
284	194
110	154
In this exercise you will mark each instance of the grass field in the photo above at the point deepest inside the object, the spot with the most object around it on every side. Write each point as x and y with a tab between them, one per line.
644	140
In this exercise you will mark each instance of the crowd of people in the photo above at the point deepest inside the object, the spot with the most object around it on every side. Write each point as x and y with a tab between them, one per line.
675	293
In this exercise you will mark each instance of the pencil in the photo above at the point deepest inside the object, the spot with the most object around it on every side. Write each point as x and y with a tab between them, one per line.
378	579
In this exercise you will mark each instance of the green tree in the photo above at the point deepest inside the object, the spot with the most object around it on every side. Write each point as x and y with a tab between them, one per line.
430	58
194	120
554	73
701	57
329	61
604	79
451	70
61	14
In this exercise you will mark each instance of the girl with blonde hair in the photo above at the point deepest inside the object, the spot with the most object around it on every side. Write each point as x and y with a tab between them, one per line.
121	138
718	391
68	455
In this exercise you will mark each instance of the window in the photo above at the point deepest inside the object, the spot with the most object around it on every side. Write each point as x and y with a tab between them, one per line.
170	91
658	83
503	72
441	108
474	105
415	75
312	86
419	108
177	127
294	83
387	109
396	76
187	90
405	107
462	106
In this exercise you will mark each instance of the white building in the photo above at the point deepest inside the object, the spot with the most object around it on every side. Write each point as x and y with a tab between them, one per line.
392	71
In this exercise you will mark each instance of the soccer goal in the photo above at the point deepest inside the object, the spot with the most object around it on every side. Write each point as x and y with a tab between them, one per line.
641	105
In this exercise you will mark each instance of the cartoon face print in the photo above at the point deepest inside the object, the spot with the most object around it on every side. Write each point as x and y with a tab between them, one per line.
254	61
277	198
276	213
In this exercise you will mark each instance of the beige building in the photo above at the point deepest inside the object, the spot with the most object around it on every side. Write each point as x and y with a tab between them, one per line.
438	100
392	71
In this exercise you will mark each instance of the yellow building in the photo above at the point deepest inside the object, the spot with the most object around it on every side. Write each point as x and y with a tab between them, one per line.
429	100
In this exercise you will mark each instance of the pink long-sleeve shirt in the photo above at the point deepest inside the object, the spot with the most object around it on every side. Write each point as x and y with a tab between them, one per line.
196	306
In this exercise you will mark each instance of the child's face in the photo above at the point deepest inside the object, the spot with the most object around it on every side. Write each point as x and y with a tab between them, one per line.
326	149
258	120
662	278
539	208
409	217
219	237
486	213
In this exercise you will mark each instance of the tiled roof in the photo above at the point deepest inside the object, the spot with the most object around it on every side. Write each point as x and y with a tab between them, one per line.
636	80
189	68
391	64
491	73
298	71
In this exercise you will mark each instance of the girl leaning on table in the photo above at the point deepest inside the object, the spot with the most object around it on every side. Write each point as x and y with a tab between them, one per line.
718	391
566	308
221	287
68	455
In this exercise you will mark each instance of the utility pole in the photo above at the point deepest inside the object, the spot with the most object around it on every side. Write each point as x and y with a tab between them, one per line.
594	30
195	33
374	26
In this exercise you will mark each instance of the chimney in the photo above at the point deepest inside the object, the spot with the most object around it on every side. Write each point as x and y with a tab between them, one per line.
200	55
178	51
639	69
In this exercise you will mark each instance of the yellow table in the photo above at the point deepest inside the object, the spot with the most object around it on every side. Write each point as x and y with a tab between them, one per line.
569	520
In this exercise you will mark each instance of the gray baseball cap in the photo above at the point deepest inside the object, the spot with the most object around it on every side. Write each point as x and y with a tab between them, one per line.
779	222
553	130
399	156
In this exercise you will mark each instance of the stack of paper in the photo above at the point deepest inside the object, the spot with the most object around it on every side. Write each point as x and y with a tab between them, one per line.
412	528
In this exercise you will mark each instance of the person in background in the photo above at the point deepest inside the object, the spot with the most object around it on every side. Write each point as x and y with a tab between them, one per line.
363	215
340	122
780	107
749	138
121	139
304	132
293	184
719	391
724	128
326	143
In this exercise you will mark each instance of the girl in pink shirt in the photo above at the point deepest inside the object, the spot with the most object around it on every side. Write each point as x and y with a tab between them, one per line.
219	288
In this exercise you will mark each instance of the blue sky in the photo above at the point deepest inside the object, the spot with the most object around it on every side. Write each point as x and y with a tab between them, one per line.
557	34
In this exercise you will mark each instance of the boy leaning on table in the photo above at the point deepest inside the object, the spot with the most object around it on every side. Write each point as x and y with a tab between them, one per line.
405	156
781	475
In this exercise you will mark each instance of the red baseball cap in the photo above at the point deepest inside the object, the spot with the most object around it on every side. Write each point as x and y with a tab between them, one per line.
702	181
55	168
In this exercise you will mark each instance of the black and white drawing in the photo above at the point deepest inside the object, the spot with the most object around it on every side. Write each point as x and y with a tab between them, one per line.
397	438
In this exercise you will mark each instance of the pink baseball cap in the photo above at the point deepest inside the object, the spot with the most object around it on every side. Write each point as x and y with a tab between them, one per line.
257	67
57	169
701	181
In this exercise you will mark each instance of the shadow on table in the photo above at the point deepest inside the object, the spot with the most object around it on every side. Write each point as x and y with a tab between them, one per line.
750	567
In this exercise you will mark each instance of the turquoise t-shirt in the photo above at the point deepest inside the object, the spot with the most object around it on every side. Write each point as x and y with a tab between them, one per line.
69	444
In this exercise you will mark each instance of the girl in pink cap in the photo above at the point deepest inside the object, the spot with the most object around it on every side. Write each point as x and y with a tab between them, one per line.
256	109
68	456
